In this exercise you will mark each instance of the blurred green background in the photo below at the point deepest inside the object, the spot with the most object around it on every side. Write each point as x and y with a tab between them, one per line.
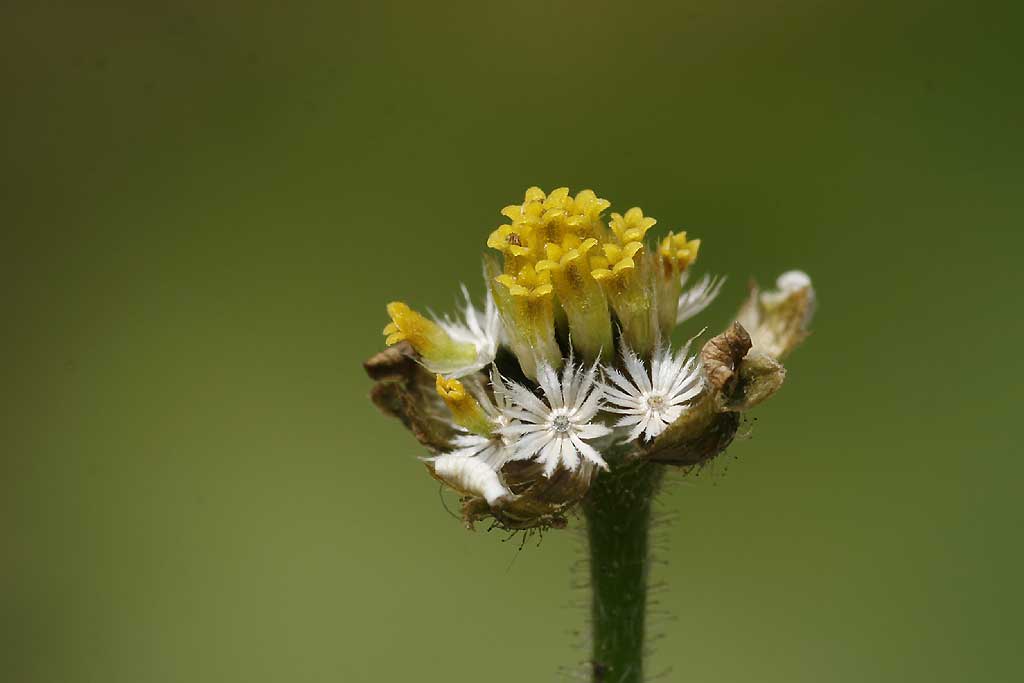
207	204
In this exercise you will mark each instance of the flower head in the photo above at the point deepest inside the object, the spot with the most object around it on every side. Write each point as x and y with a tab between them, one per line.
555	431
517	427
650	402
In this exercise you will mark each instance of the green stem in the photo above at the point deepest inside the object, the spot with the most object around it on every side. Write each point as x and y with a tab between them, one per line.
618	512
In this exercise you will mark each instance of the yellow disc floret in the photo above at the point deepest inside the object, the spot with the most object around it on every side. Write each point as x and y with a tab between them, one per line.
525	302
586	309
677	253
632	227
466	410
440	352
585	215
616	264
624	270
528	283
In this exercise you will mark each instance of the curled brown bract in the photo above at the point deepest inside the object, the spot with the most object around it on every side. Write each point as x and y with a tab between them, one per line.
404	389
721	356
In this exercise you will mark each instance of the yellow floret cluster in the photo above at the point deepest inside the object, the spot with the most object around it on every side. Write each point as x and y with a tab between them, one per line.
563	263
567	274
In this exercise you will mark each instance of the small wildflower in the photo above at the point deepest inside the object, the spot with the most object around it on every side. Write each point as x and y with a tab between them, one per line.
651	402
556	432
521	430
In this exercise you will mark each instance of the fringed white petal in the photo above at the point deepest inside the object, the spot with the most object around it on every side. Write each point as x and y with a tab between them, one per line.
698	297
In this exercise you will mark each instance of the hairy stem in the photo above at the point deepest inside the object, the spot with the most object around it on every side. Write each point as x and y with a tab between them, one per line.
618	513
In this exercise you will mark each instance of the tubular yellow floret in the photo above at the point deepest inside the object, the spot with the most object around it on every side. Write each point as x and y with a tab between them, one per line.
439	351
527	283
590	325
466	410
588	207
624	272
526	305
616	263
675	254
631	227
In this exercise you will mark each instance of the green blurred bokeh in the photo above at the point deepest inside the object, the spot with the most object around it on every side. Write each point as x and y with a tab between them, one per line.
206	205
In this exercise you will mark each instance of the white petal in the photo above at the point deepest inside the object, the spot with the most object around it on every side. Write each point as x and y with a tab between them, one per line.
635	368
654	427
528	401
631	419
549	384
549	456
521	429
588	378
631	410
588	451
569	454
589	409
697	298
620	380
616	397
592	431
529	445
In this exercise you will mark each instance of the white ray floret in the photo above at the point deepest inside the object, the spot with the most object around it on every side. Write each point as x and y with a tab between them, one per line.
651	402
698	297
555	431
482	329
